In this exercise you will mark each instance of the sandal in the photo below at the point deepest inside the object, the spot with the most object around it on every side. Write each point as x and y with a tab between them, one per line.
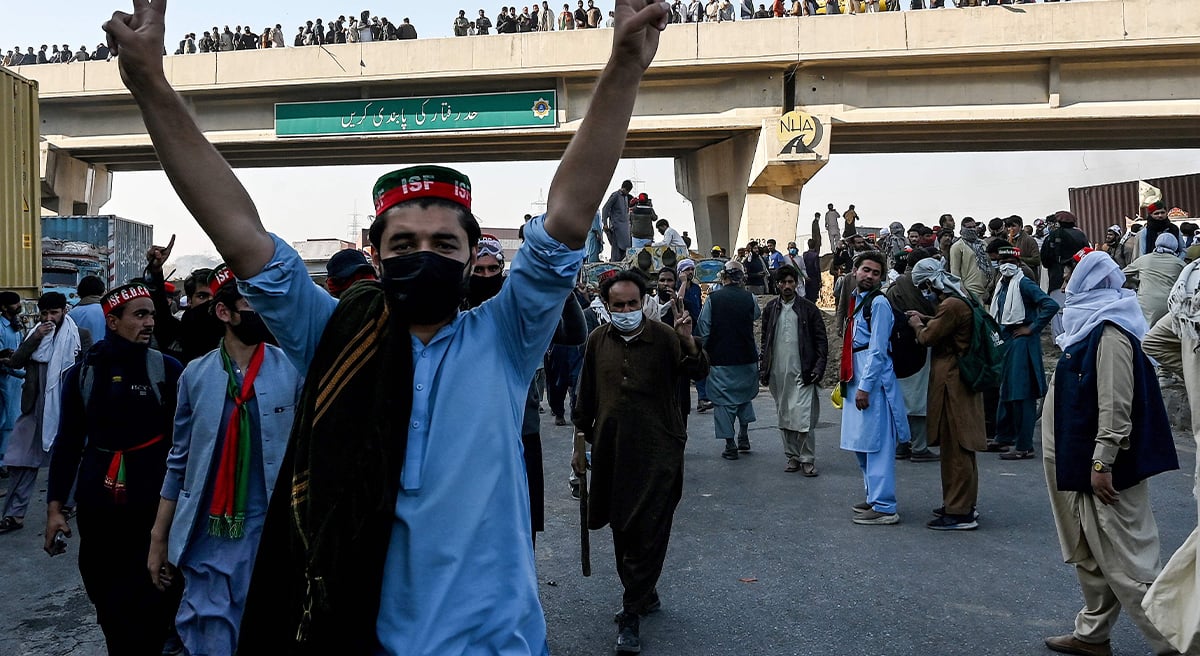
9	524
808	469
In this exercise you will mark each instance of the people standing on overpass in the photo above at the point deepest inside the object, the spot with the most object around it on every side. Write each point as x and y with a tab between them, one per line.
415	460
406	31
546	18
566	20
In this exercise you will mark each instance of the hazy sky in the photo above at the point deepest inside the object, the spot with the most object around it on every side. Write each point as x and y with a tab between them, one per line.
310	202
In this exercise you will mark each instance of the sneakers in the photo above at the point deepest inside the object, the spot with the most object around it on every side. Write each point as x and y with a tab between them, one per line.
953	523
875	518
1069	644
628	639
903	451
925	455
861	508
940	511
731	451
743	443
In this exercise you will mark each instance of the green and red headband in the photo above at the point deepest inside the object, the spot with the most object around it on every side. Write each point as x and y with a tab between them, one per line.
416	182
122	295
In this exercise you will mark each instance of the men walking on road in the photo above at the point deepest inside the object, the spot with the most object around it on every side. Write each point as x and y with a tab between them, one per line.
232	423
630	415
955	412
616	222
874	419
117	407
726	329
1023	311
51	348
794	351
394	491
1105	431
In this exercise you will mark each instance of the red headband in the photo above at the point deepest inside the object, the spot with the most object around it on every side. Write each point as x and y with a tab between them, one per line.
219	277
122	295
427	189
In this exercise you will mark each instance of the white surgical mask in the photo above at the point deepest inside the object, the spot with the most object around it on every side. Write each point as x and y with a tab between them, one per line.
1009	270
627	322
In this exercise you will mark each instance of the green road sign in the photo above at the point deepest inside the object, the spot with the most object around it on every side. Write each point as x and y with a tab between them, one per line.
481	111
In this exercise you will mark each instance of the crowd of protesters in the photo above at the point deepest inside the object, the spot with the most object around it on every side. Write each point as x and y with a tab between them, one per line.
283	466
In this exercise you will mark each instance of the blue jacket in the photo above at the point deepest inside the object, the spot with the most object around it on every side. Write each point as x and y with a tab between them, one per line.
199	415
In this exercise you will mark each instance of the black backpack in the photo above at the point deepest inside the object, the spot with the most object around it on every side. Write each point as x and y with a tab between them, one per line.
908	356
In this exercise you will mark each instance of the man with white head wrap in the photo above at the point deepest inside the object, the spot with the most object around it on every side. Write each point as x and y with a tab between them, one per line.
1173	602
1104	429
1154	274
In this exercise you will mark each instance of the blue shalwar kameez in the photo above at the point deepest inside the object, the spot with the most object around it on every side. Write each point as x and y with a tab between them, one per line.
1023	379
873	434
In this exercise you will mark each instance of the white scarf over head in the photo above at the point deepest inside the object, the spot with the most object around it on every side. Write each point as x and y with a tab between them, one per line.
1013	312
931	271
57	352
1183	303
1095	295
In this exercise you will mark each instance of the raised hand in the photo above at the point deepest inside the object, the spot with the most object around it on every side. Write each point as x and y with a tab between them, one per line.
138	40
638	25
157	256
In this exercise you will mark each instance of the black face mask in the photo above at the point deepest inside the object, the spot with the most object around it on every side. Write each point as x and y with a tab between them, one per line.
481	289
426	287
251	329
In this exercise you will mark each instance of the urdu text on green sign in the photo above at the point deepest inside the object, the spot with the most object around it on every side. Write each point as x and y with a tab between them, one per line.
485	111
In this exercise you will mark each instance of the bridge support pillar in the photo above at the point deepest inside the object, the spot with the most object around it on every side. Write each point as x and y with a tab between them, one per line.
71	186
748	187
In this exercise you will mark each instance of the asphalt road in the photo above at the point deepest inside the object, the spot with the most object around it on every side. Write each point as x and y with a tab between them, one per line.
761	562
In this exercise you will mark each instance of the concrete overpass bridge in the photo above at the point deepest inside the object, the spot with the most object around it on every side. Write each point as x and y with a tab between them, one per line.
719	99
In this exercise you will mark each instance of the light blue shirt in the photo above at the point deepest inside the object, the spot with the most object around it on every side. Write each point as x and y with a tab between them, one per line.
874	335
91	317
460	576
11	336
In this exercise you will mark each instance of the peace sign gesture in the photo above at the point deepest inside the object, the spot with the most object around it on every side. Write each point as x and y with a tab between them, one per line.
638	25
138	40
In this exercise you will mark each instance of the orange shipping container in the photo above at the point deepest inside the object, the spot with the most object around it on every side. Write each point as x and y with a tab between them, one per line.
20	186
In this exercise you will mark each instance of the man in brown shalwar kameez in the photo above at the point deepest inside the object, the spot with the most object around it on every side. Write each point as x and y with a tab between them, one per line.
628	410
955	413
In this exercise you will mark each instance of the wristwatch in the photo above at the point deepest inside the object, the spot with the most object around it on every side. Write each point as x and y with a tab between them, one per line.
1099	467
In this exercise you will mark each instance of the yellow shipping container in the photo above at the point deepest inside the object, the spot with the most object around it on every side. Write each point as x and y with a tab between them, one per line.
20	186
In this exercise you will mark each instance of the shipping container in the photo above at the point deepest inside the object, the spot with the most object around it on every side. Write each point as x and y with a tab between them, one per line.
119	244
1101	206
20	186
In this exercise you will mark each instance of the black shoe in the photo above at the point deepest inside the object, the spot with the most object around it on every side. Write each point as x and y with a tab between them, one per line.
704	406
560	420
953	523
903	451
574	489
996	447
743	444
940	511
628	639
925	456
731	451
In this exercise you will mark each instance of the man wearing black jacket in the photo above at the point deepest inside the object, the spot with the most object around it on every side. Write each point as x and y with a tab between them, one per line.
1059	247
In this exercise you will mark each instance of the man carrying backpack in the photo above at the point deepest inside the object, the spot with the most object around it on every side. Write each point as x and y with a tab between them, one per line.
873	417
955	411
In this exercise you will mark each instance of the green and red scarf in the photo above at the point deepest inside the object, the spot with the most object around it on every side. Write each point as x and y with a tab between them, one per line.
227	514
